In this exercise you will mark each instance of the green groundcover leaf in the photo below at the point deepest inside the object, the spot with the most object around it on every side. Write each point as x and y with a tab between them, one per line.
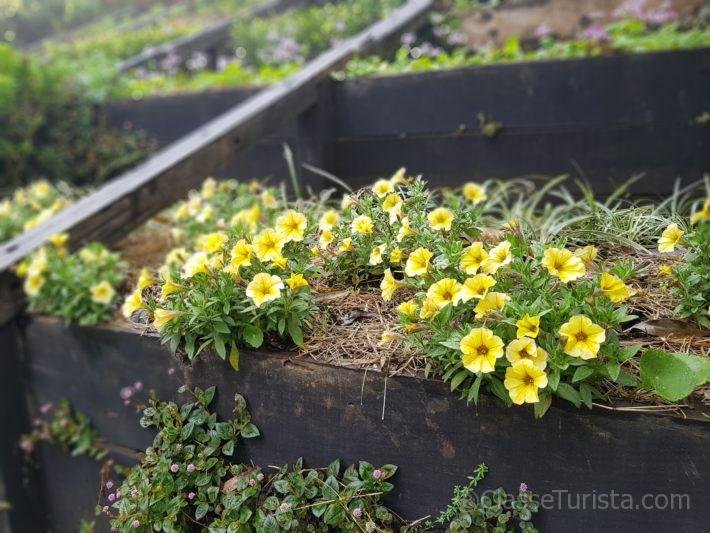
673	375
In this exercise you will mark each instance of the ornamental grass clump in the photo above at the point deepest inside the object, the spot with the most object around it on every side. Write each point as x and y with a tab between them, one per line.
81	286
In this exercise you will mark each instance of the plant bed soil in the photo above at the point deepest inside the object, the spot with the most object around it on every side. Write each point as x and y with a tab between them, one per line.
321	412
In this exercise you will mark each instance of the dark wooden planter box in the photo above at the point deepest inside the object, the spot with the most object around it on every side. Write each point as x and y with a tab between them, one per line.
321	412
604	119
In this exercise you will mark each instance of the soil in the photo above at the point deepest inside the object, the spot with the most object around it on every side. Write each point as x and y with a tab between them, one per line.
564	18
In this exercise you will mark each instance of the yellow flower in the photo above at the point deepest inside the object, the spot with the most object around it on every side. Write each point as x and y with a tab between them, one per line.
162	316
528	326
665	270
614	288
399	176
133	303
440	219
329	219
208	188
444	292
472	258
264	288
392	205
182	212
212	242
281	262
38	219
522	380
40	189
703	214
563	264
59	239
326	237
292	225
474	193
169	286
268	200
268	245
587	254
296	281
5	208
408	308
39	263
240	255
362	224
88	255
376	254
670	237
480	350
396	256
145	279
498	256
389	285
347	201
206	215
102	293
22	269
513	224
582	337
382	188
176	256
405	230
428	309
33	283
247	217
491	303
418	262
346	245
525	348
476	287
196	263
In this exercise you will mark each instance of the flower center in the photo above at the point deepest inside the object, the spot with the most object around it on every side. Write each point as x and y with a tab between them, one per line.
581	336
482	350
529	380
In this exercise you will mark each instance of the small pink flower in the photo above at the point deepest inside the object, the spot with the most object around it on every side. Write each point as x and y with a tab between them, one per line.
109	484
134	493
105	509
26	445
125	393
135	524
112	497
260	477
46	408
191	496
190	467
138	385
174	468
377	473
357	513
523	487
118	494
171	371
252	482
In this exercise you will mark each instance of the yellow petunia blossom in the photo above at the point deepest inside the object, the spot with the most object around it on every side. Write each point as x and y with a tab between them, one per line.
523	380
665	270
476	287
346	202
206	215
392	205
102	293
389	285
418	262
161	317
328	220
474	193
292	225
240	255
209	186
382	188
326	237
563	264
362	225
396	256
499	256
169	286
587	254
703	214
346	245
528	326
582	337
212	242
428	309
440	219
268	245
268	200
133	303
176	256
281	262
408	308
195	264
145	279
59	239
491	303
399	176
481	348
264	288
525	348
296	280
376	254
670	238
405	230
472	258
33	283
614	288
444	292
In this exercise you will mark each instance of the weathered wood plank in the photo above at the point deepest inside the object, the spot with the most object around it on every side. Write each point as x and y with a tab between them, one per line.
127	201
321	412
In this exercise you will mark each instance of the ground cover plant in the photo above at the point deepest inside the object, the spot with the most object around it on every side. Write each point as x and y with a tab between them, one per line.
187	480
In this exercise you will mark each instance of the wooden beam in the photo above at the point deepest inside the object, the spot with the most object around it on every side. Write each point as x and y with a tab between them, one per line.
132	198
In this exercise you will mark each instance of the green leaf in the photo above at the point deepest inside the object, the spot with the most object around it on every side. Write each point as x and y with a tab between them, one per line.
613	370
294	329
459	378
474	390
201	511
541	407
585	392
582	373
553	379
627	352
234	357
569	393
253	336
673	376
250	431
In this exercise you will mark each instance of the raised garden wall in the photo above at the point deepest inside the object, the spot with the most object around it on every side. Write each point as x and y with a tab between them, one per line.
603	119
321	412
